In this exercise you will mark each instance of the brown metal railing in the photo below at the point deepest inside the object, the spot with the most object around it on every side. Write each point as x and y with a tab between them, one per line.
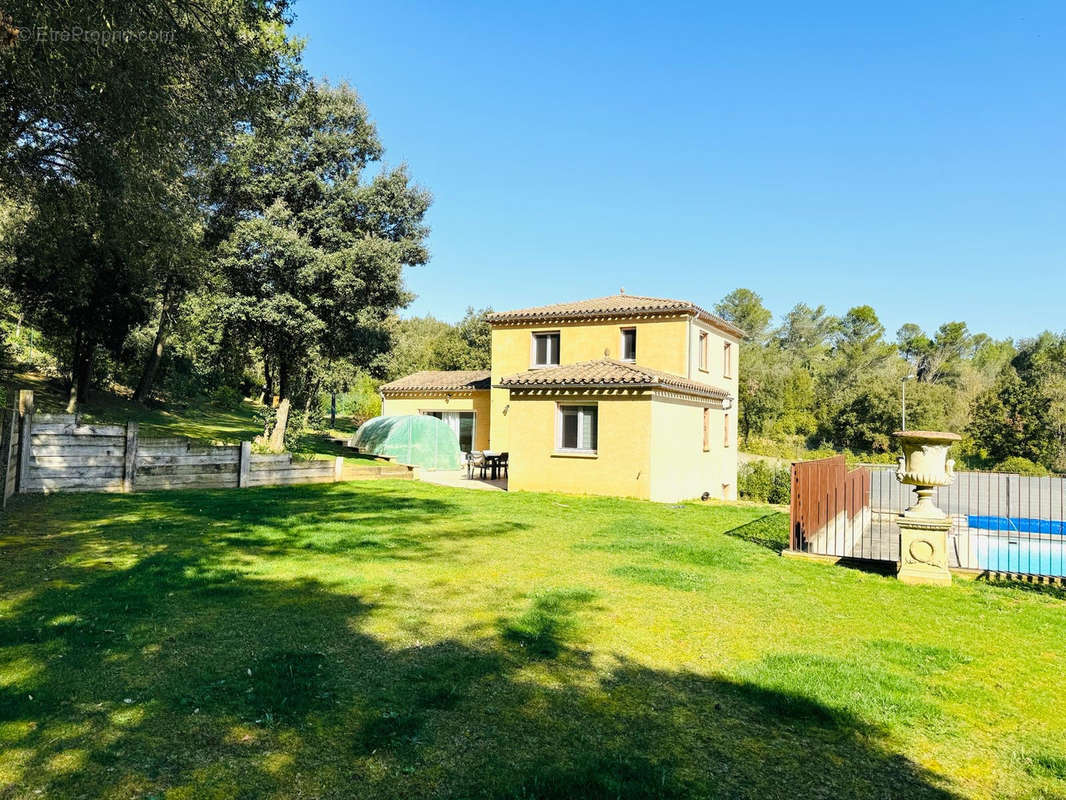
1001	522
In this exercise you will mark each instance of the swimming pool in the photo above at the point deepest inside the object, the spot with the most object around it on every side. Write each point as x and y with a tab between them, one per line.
1019	544
1020	524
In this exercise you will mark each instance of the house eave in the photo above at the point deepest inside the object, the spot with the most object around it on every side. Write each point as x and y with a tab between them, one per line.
415	391
657	389
562	317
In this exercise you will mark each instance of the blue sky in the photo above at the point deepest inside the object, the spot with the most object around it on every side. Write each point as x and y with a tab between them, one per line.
911	156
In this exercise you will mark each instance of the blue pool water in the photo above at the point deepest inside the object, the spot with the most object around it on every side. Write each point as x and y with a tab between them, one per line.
1020	524
1007	548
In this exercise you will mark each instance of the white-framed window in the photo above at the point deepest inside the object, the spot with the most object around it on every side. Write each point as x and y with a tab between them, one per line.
577	429
629	344
545	349
727	359
703	350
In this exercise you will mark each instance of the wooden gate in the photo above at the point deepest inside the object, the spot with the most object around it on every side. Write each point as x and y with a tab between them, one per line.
830	508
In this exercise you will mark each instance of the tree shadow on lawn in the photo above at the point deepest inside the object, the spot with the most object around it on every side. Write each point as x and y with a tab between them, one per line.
1048	588
769	531
361	521
169	673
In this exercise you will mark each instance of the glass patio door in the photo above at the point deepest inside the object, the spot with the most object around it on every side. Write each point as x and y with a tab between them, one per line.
462	422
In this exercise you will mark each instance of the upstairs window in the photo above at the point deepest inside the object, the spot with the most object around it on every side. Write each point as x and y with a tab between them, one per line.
629	344
546	349
578	428
703	350
727	359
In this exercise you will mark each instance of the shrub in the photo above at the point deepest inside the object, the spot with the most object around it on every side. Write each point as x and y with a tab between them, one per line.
225	397
754	481
296	429
759	481
1020	466
7	362
359	403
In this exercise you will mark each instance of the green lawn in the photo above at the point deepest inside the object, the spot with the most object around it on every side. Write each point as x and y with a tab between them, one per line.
401	640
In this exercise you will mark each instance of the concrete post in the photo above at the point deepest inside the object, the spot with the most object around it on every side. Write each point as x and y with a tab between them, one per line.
244	464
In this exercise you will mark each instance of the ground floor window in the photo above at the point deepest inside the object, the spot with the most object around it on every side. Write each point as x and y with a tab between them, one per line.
577	428
462	422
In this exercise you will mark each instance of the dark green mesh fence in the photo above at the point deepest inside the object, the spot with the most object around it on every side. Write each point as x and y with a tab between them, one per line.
415	439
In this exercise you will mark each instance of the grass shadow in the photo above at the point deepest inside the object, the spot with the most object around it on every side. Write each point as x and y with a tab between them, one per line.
142	656
1052	588
542	631
769	531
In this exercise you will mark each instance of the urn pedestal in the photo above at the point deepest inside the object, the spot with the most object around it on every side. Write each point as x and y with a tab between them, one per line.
923	551
923	528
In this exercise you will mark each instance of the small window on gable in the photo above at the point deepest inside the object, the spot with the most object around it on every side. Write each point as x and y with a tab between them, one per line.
629	344
727	359
706	430
578	428
703	350
546	349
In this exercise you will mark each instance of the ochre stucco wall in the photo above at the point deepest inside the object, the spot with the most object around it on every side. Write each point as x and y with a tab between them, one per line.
661	344
715	360
680	469
478	402
619	468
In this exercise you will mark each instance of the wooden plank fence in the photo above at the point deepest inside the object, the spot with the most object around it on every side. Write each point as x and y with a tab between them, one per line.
41	453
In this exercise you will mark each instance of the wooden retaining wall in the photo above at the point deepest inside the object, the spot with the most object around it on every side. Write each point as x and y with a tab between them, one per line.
42	453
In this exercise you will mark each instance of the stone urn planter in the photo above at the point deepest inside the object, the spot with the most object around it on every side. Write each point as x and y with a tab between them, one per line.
923	528
925	465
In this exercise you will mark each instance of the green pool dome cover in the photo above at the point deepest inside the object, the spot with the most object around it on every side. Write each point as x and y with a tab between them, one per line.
416	439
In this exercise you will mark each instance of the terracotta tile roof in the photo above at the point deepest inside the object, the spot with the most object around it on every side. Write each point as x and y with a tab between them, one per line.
611	306
608	373
467	380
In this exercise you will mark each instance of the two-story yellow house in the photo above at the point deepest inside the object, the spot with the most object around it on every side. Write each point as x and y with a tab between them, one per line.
622	395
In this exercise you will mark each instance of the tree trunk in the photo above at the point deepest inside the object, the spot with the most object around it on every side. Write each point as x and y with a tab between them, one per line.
277	436
72	386
84	372
312	396
144	388
268	382
281	422
332	410
283	381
